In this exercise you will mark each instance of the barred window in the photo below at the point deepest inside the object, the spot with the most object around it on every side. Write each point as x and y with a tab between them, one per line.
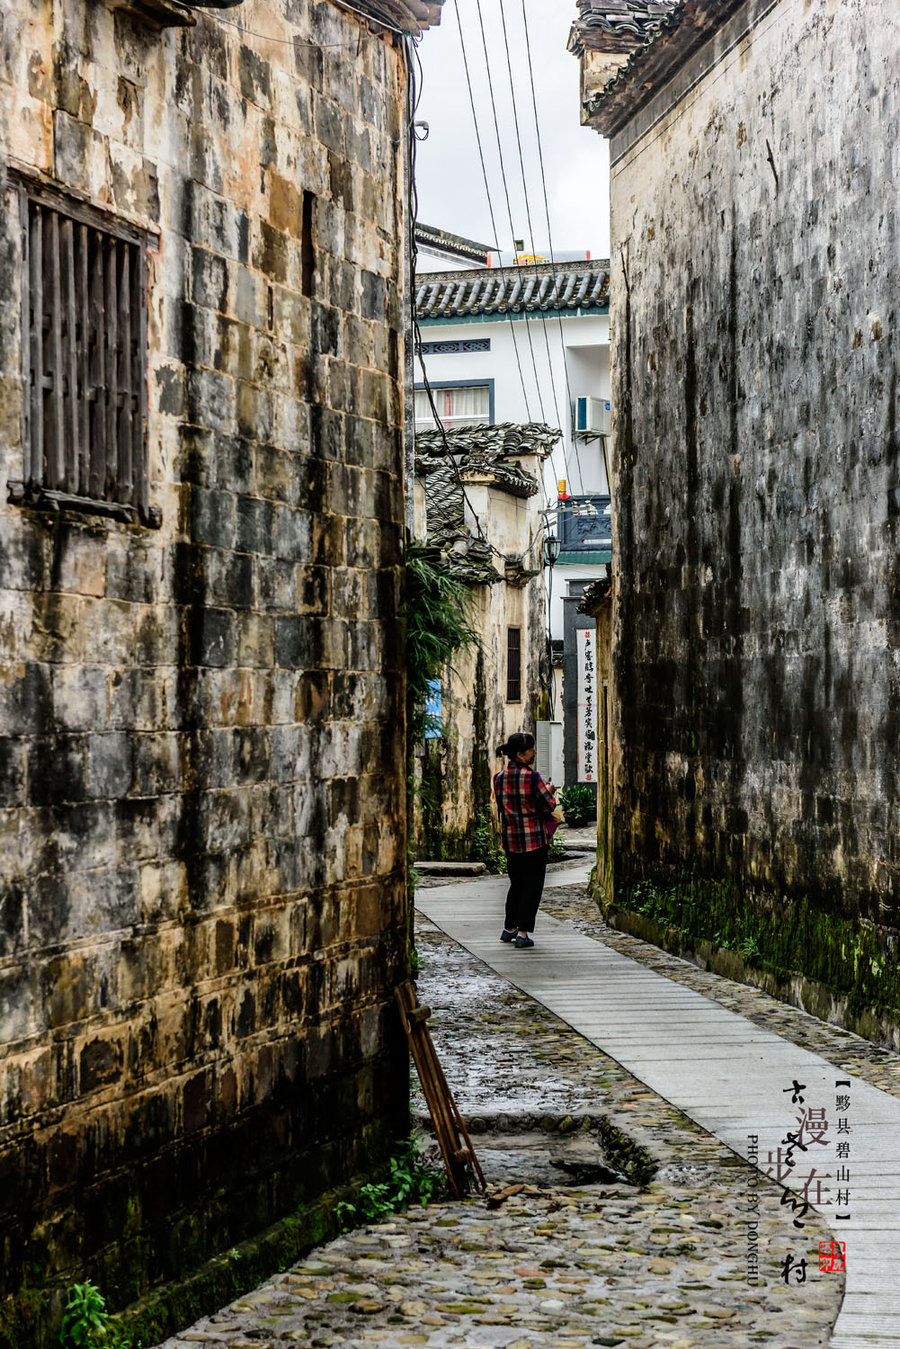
513	665
84	340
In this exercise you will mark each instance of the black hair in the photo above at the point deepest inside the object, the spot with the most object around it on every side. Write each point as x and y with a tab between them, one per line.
517	743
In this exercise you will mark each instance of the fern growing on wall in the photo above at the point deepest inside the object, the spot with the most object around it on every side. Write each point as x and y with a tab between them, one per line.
437	627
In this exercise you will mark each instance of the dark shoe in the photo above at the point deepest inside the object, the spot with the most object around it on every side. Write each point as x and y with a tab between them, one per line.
508	934
522	942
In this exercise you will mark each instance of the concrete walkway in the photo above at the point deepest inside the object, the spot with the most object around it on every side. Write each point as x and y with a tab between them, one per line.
733	1078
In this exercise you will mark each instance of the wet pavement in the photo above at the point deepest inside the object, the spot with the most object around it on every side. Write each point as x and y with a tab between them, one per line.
582	1255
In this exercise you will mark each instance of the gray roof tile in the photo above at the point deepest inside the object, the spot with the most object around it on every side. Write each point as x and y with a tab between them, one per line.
648	59
535	288
476	451
630	23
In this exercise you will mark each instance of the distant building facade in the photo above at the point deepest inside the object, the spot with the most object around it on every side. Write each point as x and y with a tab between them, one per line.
516	343
202	834
481	515
757	480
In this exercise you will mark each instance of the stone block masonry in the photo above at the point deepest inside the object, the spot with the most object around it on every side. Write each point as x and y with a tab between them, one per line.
202	847
757	622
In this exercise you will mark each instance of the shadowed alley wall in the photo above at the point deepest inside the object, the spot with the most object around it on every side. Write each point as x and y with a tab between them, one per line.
757	628
202	761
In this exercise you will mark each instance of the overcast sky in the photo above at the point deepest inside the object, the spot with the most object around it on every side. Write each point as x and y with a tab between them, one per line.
450	181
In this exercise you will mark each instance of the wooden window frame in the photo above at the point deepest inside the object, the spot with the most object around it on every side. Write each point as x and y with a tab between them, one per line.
85	416
513	663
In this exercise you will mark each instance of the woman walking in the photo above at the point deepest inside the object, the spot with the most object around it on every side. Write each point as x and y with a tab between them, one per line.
525	803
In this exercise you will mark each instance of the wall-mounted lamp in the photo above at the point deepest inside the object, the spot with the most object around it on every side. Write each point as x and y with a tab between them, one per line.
551	550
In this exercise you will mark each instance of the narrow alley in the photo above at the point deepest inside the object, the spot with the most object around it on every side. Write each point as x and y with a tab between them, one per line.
635	1226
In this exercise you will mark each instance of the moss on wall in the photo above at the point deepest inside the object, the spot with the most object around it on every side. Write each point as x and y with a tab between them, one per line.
845	965
481	750
32	1316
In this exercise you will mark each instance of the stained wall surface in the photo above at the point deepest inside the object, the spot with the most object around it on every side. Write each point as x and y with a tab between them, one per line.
755	311
476	716
201	764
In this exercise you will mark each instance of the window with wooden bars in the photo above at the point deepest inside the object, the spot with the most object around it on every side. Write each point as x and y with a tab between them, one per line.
84	340
513	665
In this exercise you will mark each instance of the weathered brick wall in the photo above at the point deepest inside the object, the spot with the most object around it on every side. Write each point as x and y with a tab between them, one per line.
457	767
758	611
202	790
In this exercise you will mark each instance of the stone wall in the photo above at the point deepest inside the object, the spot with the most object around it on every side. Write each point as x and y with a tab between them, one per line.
757	629
458	767
201	764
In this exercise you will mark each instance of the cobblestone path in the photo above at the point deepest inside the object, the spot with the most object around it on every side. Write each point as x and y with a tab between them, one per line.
575	1259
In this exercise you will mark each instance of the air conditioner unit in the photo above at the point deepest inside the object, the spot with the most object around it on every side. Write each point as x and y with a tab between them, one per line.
591	417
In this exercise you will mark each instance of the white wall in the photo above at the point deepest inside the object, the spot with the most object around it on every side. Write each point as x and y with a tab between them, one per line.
540	348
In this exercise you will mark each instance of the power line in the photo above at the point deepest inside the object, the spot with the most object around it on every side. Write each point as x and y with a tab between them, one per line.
412	104
487	61
490	205
541	479
537	128
515	113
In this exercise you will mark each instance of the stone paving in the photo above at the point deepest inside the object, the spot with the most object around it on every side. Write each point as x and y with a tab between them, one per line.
874	1063
579	1257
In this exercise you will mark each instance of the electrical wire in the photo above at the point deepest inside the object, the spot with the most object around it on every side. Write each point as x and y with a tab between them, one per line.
512	227
547	585
490	204
412	104
537	128
525	192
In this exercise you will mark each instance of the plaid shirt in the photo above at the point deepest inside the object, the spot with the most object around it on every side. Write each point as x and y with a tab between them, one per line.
525	804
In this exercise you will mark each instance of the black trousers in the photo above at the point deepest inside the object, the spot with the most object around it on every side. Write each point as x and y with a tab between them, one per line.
526	872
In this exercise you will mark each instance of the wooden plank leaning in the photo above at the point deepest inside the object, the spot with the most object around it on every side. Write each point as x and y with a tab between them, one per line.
461	1164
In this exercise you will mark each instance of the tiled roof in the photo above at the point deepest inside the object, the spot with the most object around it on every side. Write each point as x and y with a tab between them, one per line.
619	25
478	452
595	595
647	62
537	288
413	16
452	245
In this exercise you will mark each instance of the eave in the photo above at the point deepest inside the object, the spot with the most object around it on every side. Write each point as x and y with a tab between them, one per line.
654	63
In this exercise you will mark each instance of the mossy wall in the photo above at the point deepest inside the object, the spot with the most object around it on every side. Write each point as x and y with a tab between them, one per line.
757	496
202	777
455	770
839	967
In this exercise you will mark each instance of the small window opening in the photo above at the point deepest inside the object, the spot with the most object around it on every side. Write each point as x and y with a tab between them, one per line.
514	665
307	246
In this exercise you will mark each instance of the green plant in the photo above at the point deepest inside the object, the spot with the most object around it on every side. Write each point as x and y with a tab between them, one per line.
437	627
86	1323
484	844
416	963
409	1180
557	852
579	804
85	1320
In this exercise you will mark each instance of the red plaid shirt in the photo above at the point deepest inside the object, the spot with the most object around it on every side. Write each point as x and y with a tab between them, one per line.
525	804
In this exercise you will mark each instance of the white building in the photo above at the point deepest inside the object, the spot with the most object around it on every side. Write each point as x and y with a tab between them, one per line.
526	343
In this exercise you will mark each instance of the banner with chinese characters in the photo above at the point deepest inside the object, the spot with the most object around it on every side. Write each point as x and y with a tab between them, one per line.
586	648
